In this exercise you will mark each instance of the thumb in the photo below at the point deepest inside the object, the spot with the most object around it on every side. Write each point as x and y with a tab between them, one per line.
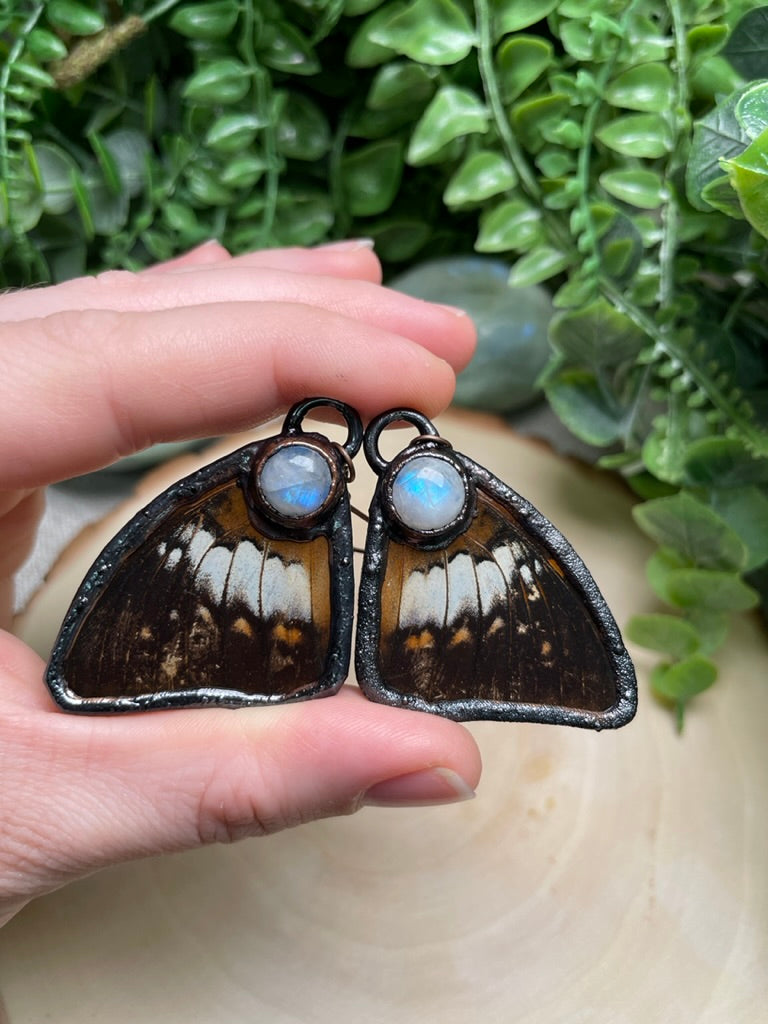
88	792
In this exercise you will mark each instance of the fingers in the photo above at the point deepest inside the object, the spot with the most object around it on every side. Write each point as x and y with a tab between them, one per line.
88	792
81	389
447	333
202	255
353	258
182	281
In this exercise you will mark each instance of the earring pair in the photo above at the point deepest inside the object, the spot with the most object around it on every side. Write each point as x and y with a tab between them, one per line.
235	587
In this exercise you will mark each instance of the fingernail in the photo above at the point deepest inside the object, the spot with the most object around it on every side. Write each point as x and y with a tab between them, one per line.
452	309
420	789
349	244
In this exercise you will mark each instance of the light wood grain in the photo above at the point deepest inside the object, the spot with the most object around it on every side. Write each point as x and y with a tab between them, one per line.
618	877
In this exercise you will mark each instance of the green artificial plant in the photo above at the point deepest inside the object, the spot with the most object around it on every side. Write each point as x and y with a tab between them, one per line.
616	151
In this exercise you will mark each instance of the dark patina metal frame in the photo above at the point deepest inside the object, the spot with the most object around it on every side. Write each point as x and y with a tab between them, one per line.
384	526
333	521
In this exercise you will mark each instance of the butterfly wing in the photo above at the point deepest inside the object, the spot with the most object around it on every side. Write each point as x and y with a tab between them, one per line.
192	603
503	622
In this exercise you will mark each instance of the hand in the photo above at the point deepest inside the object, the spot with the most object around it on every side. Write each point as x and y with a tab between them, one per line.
99	367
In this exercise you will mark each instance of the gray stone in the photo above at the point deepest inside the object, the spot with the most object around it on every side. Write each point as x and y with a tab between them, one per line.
512	325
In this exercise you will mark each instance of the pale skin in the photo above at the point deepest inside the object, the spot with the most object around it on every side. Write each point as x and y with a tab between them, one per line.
100	367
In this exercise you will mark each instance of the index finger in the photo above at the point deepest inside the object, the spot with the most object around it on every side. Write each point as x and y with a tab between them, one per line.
80	389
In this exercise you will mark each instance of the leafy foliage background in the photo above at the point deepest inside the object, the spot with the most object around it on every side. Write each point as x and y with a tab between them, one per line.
617	151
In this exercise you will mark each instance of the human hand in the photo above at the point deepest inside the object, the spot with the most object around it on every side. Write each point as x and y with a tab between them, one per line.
100	367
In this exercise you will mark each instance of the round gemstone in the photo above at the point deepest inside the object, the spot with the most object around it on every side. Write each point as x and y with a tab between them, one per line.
296	480
428	493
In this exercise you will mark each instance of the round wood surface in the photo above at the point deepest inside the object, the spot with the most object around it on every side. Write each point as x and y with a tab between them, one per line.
613	877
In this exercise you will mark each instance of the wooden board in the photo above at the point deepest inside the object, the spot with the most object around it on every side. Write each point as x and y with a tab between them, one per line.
616	877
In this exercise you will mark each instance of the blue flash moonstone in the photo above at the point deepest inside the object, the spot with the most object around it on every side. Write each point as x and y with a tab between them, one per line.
428	493
296	480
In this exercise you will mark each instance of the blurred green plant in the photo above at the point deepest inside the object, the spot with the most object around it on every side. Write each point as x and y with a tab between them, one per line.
616	150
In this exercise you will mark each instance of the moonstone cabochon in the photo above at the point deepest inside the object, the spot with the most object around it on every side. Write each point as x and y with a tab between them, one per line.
428	493
295	480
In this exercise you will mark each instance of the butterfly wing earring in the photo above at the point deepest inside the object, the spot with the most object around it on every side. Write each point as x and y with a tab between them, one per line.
472	605
233	587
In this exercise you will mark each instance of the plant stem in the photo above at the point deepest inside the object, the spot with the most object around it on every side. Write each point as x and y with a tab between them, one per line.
263	96
670	213
514	153
158	10
668	345
588	132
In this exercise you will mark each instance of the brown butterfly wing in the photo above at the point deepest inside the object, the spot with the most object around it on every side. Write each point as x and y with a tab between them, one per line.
201	608
497	624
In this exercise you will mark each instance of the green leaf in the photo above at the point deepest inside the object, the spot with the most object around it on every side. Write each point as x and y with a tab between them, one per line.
77	18
532	118
45	46
180	218
596	335
303	132
709	588
243	171
538	265
512	225
379	124
643	135
222	81
705	40
512	15
428	31
130	151
722	462
690	527
55	168
745	509
303	219
644	189
232	133
748	43
720	195
660	567
82	196
399	239
284	48
109	210
362	51
621	249
581	405
716	136
483	174
648	87
711	628
106	163
579	290
34	74
371	177
400	83
664	633
748	174
520	60
352	8
684	680
752	110
205	20
206	187
453	113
